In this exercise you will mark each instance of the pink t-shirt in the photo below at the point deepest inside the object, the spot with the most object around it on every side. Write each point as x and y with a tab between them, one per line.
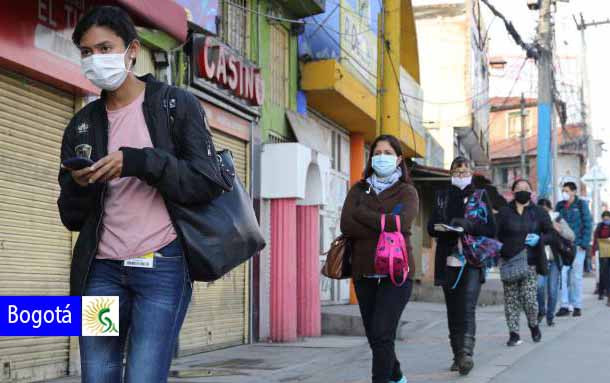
136	221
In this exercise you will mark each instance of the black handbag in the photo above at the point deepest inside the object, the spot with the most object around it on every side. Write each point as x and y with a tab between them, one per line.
220	235
514	269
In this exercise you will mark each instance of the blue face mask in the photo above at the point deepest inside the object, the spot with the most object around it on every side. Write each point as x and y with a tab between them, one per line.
606	221
384	164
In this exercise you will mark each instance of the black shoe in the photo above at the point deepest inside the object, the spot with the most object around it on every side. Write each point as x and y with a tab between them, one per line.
577	313
563	312
541	317
454	367
465	364
550	322
600	297
536	334
514	340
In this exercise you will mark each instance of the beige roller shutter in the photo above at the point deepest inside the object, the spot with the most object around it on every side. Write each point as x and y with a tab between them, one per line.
34	246
218	314
144	62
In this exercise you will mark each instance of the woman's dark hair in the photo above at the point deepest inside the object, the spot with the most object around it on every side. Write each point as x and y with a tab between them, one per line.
606	214
395	144
570	185
545	203
459	161
517	182
113	18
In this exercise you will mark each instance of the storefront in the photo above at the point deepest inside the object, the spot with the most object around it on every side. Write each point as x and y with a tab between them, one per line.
41	87
230	91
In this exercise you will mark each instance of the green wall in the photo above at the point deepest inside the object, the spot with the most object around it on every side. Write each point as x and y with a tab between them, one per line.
273	117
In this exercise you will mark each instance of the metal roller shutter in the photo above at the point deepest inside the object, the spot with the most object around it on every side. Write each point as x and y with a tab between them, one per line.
35	249
218	314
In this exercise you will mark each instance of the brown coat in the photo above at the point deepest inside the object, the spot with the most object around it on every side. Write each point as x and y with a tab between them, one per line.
361	221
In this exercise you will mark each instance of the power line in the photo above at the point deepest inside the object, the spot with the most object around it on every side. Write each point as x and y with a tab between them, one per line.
532	50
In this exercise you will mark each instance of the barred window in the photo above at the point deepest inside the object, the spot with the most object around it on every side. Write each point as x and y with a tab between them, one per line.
279	65
234	27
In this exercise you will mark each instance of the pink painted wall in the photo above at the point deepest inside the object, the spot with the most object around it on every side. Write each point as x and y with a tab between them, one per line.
283	270
308	272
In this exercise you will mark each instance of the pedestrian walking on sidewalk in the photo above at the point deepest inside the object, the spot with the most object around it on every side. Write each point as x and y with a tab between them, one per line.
523	228
576	212
122	202
548	285
601	246
385	189
461	298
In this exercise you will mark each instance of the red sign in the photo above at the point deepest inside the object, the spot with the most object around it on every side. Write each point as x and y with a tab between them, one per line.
217	63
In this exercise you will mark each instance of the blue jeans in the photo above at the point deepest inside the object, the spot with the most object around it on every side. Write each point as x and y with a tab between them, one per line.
152	307
571	282
548	286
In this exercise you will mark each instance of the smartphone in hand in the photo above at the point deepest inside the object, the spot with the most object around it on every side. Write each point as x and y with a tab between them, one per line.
77	163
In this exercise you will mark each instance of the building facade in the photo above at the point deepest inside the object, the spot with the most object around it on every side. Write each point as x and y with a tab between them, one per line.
505	130
453	46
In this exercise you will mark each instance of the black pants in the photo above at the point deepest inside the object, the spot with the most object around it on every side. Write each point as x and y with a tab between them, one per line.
461	307
604	276
381	306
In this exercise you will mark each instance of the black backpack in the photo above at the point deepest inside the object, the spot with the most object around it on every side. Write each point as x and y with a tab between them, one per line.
565	248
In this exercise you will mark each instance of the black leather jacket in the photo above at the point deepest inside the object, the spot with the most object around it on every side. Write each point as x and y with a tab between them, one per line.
191	176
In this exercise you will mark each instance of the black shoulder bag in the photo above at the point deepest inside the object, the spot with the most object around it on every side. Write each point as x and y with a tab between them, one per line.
220	235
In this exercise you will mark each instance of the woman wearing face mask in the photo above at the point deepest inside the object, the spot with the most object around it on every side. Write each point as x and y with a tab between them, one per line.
123	204
523	229
461	300
548	286
385	189
602	232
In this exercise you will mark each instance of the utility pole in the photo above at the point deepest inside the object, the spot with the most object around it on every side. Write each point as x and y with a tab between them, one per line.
388	67
545	99
585	97
523	115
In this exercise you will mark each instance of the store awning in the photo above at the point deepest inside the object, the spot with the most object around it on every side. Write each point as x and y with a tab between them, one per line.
167	16
337	94
421	173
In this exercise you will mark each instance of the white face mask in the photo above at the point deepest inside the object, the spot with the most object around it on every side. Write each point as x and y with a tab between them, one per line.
106	71
460	182
565	196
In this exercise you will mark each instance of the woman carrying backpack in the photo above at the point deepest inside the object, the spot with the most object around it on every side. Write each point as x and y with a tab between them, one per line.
385	190
548	286
523	229
461	298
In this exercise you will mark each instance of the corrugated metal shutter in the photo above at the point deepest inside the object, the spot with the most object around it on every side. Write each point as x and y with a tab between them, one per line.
144	62
218	314
34	246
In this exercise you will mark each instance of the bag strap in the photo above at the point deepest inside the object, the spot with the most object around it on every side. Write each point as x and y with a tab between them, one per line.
397	218
462	259
170	105
582	217
406	256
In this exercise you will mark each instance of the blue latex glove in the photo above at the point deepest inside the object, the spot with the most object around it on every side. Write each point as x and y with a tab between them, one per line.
532	240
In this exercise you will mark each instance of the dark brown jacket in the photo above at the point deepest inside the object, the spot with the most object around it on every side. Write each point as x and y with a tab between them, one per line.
361	221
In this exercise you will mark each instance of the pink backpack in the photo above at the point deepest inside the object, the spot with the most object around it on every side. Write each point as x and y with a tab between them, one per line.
391	257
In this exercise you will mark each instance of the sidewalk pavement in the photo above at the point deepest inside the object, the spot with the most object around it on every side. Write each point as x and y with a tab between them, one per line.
423	352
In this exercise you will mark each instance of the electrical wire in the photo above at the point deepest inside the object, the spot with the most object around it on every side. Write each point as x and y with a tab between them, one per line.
296	21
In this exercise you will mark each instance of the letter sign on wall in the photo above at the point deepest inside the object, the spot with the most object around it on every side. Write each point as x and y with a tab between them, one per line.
217	63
